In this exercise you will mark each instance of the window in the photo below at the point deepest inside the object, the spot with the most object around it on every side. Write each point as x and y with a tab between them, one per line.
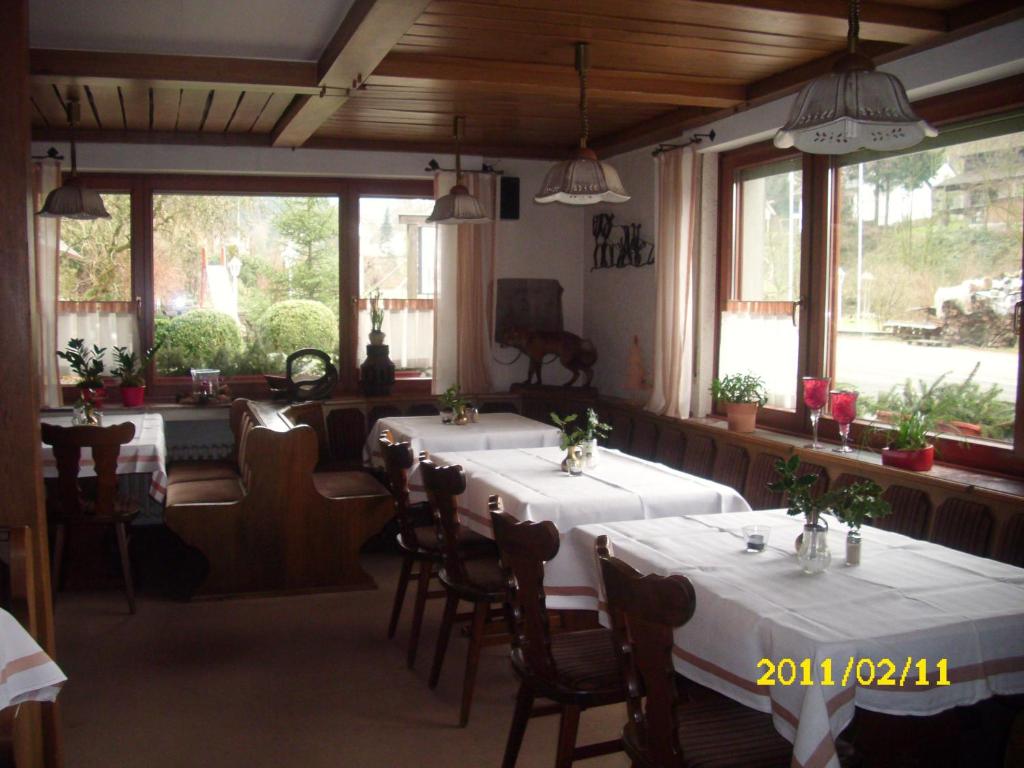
897	275
95	281
397	252
242	281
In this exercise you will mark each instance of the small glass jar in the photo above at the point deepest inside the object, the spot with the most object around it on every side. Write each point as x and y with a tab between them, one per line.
853	547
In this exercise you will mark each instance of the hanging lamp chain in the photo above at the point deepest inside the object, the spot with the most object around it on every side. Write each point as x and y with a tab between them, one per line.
458	153
854	29
581	67
73	114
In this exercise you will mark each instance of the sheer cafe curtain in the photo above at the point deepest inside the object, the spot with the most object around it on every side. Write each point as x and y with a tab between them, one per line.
678	239
463	305
45	177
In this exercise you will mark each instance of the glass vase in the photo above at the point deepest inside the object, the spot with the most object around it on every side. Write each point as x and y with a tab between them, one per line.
590	454
814	555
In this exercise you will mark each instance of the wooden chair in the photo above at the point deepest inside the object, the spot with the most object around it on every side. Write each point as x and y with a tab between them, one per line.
711	731
576	670
105	506
478	581
418	540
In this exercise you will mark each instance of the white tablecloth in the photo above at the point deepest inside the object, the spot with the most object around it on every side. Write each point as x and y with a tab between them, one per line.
145	454
533	486
490	431
908	599
26	672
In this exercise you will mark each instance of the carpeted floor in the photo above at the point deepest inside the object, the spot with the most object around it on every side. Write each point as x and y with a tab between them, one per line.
294	681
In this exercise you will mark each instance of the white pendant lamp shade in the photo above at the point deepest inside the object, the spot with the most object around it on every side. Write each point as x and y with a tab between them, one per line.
582	179
853	107
72	200
458	206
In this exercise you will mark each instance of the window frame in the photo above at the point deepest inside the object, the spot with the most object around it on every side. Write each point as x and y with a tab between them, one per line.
819	259
142	186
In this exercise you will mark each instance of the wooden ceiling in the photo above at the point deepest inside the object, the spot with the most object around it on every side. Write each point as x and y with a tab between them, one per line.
397	71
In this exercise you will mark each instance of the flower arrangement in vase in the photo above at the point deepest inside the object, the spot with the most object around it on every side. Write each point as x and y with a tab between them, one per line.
88	365
571	441
452	400
131	369
742	394
594	429
852	504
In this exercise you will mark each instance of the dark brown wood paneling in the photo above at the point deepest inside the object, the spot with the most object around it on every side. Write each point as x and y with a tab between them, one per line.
821	485
910	510
762	472
964	525
730	467
700	455
671	447
1011	545
644	443
382	412
346	433
622	430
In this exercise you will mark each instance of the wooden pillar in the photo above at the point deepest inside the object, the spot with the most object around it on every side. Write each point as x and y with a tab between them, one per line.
21	487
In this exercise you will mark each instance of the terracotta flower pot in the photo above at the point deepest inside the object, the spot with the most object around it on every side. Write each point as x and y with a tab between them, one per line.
742	416
920	460
133	397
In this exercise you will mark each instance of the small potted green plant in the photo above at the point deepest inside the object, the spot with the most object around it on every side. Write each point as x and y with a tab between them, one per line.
594	429
909	446
742	394
571	440
453	401
87	365
376	318
131	369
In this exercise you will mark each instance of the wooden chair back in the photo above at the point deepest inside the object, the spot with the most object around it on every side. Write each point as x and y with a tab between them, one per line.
397	463
525	547
443	486
105	443
644	611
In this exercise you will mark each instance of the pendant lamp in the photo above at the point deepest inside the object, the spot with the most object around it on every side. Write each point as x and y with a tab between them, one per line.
73	200
582	179
458	206
853	107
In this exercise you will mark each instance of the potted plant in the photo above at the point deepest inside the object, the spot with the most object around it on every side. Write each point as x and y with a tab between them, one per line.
87	364
571	440
852	504
131	369
452	400
376	318
908	443
743	394
593	429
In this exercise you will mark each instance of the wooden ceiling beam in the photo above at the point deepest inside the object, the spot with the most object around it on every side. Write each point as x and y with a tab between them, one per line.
662	128
369	30
141	136
638	87
200	72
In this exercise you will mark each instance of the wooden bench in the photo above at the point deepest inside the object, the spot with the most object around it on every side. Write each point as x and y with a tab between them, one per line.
266	522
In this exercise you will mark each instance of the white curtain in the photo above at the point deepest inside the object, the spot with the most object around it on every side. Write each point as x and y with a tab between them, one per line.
106	323
46	176
463	308
678	230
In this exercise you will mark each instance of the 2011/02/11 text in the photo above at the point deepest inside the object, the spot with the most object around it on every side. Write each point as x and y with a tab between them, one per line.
865	672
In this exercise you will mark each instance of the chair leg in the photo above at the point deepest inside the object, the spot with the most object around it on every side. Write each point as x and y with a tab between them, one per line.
126	566
403	582
422	589
520	717
476	638
58	557
450	606
567	735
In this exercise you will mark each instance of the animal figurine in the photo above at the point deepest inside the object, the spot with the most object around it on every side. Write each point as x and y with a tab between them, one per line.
576	354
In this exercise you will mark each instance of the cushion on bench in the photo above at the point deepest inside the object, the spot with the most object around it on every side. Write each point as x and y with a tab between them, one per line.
191	471
221	491
336	485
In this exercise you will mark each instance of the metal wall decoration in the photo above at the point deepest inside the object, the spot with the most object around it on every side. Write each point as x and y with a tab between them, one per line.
630	250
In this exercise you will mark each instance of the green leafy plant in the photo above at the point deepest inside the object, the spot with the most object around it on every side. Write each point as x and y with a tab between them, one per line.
740	388
571	433
452	399
131	368
376	311
852	504
909	432
85	363
594	428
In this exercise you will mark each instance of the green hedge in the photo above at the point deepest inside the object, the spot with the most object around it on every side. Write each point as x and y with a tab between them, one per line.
291	325
200	338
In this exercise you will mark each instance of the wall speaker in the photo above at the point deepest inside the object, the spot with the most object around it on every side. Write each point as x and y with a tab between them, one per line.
509	197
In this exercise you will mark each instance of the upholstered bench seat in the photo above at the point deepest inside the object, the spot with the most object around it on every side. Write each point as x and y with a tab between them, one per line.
336	485
223	490
192	471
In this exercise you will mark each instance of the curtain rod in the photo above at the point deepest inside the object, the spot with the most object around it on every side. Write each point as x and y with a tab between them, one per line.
433	165
696	138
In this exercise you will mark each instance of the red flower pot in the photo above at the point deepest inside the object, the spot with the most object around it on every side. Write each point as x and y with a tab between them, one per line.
94	395
920	460
133	397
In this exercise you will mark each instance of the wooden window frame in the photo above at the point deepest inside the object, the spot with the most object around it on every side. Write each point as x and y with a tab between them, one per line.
818	264
142	187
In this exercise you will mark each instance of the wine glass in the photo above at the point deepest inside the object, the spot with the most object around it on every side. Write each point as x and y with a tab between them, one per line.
844	411
815	397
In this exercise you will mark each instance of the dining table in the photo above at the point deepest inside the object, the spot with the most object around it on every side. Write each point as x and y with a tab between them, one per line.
914	629
27	673
144	458
533	486
488	432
